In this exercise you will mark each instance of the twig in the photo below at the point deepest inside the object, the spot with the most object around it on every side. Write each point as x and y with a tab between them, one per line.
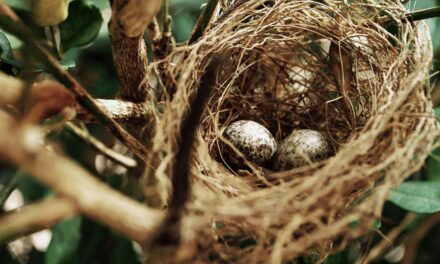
12	90
414	16
384	244
99	146
414	240
203	21
65	177
120	110
35	217
166	17
164	45
12	24
161	44
423	14
169	232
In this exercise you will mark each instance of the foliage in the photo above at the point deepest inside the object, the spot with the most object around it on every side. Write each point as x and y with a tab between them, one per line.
418	197
65	241
80	32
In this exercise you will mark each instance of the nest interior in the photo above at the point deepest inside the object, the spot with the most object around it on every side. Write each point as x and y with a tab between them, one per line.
277	71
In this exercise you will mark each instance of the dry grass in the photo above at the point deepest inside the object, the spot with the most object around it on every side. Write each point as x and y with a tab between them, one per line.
277	72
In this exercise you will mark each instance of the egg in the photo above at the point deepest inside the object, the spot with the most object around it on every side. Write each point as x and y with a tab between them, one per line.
252	139
300	147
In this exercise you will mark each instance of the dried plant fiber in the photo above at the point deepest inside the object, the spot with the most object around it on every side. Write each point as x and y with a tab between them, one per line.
277	71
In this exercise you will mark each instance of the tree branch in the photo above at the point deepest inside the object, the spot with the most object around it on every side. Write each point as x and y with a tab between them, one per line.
129	56
12	90
35	217
93	198
122	111
12	24
413	241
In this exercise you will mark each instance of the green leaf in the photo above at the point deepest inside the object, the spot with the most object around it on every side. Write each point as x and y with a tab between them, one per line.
433	166
5	48
377	224
183	26
437	110
417	197
81	26
122	251
64	243
31	189
7	62
433	161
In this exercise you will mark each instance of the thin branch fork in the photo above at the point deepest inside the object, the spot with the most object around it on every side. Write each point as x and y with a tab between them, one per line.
99	146
122	111
93	198
11	23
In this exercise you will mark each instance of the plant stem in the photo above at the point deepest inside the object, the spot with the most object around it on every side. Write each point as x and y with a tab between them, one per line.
55	39
166	17
99	146
423	14
412	16
203	21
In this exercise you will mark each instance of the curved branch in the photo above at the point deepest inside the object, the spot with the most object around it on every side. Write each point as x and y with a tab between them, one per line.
67	178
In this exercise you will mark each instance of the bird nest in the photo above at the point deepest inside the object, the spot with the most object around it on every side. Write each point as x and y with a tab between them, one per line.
356	72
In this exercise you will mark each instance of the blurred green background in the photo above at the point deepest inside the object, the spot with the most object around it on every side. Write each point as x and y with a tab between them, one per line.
81	240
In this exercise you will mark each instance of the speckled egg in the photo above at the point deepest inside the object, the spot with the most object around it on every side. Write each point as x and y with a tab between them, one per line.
299	147
252	139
